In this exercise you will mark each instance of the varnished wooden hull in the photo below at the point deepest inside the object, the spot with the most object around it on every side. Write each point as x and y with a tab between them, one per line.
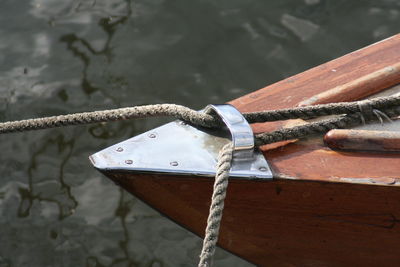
285	222
324	208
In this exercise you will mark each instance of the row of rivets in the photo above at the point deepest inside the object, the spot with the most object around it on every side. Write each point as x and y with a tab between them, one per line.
128	161
172	163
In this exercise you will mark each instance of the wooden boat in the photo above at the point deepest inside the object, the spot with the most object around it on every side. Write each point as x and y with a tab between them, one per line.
322	208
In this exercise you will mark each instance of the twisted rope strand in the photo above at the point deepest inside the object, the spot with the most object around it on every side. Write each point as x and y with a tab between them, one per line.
217	205
302	131
194	117
310	112
308	129
357	112
159	110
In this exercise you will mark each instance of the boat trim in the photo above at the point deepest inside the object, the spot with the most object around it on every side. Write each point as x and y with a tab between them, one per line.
178	148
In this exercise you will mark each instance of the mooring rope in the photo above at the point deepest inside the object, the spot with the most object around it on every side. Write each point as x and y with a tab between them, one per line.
323	126
309	112
350	114
217	205
356	113
158	110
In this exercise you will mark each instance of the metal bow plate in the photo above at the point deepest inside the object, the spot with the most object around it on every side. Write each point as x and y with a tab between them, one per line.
182	149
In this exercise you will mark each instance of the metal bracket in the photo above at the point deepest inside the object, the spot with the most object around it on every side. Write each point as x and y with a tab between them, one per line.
181	149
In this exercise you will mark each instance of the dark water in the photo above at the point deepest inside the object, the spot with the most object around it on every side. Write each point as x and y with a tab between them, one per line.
59	57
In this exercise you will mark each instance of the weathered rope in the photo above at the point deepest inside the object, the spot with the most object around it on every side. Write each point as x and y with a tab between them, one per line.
159	110
302	131
217	205
357	113
310	112
352	113
308	129
354	117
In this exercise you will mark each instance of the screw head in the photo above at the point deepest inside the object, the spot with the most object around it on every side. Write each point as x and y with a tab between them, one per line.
174	163
120	149
128	161
152	135
262	169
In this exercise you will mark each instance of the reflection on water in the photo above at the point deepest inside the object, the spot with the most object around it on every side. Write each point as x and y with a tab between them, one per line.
58	57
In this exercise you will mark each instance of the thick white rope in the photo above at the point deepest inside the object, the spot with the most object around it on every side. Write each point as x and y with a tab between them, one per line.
217	205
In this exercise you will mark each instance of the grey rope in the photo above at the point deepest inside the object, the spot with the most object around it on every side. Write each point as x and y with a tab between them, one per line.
356	110
356	113
308	129
180	112
202	119
217	205
310	112
346	121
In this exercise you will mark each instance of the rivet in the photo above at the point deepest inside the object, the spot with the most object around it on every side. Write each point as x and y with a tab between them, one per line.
152	135
182	123
120	149
128	161
173	163
263	169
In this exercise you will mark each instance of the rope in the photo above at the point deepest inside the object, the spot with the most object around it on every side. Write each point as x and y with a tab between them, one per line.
302	131
207	120
356	113
310	112
217	205
159	110
308	129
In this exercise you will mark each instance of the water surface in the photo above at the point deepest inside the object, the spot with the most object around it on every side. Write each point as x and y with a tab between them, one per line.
59	57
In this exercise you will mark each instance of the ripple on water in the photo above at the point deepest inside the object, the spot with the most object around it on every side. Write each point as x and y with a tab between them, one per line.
59	57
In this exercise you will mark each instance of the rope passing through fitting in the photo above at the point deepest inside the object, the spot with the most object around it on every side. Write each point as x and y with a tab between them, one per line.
388	106
351	114
158	110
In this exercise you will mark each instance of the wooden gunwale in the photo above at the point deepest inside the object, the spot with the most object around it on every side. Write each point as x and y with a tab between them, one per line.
323	208
312	160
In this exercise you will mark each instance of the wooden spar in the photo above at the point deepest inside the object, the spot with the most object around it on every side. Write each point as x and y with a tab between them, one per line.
367	85
363	140
323	208
364	86
313	160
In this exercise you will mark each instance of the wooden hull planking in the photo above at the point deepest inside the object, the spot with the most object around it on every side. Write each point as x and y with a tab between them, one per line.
324	208
285	222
